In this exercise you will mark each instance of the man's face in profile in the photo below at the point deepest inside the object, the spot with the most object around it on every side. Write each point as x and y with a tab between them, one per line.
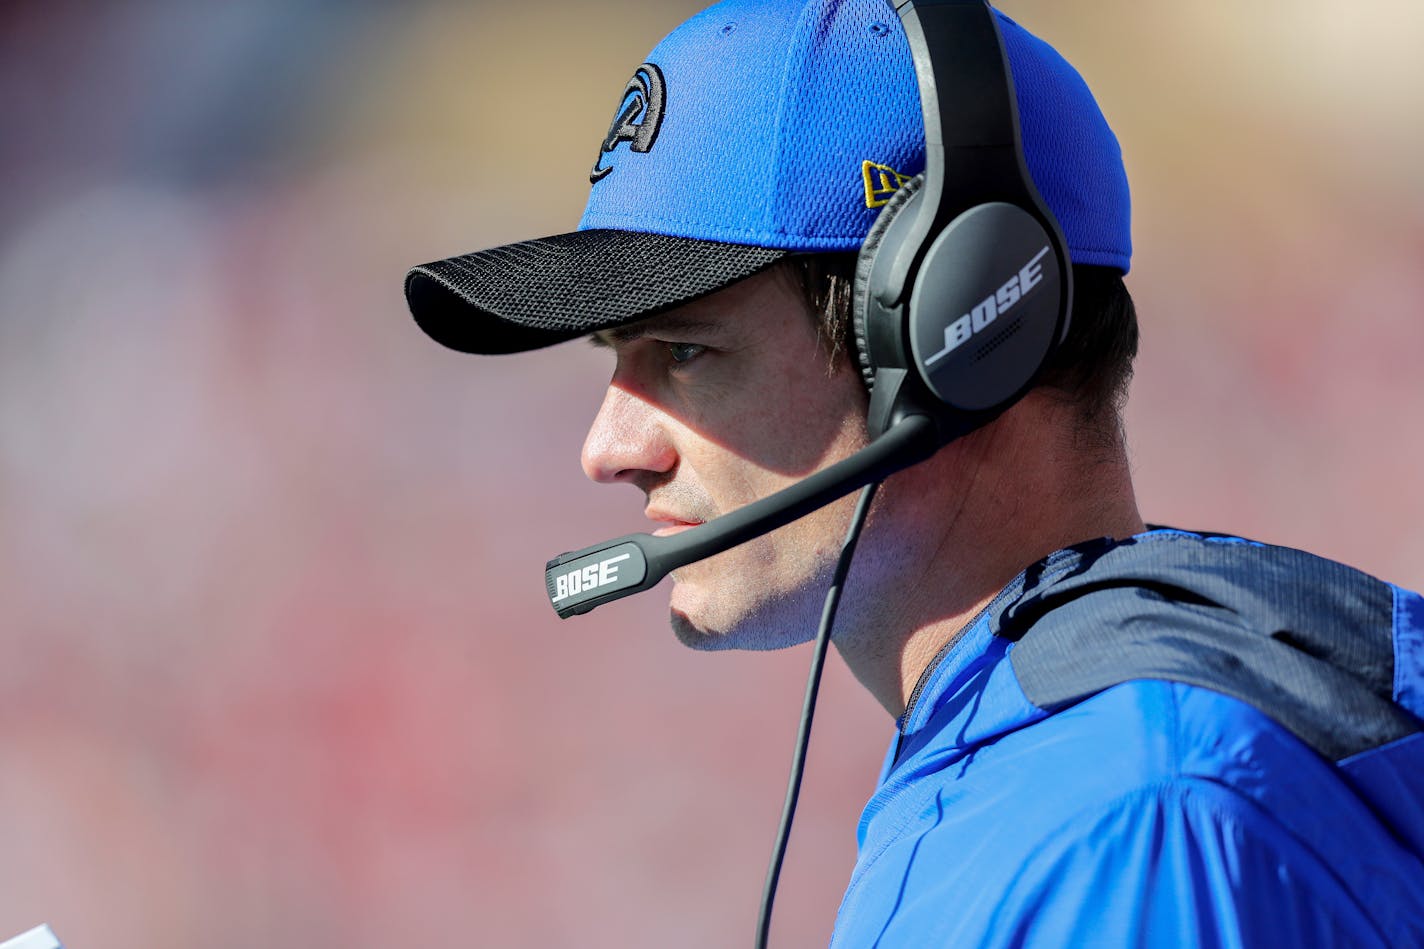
715	405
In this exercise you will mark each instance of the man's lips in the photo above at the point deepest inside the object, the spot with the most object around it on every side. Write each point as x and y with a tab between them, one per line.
670	523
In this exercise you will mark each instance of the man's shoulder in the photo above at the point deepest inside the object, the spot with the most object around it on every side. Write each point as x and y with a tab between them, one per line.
1233	727
1147	795
1137	739
1065	770
1310	642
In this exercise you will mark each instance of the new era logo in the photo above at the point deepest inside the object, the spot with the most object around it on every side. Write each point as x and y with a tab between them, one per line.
881	181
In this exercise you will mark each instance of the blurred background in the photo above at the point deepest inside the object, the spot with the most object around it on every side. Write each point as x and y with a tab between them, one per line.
278	668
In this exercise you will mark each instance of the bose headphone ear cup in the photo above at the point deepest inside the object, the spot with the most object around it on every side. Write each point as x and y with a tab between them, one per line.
863	266
987	308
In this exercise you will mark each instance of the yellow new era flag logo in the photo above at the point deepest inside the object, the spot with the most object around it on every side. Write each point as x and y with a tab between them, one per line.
881	181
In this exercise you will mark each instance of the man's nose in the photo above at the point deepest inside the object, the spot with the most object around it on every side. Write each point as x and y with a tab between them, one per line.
628	439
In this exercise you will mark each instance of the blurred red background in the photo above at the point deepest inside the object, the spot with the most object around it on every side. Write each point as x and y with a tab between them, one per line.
278	668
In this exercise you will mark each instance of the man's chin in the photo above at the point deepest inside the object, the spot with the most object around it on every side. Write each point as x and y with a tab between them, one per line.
701	619
695	637
760	630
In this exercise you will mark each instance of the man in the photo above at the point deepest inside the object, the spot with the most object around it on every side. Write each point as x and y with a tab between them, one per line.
1108	734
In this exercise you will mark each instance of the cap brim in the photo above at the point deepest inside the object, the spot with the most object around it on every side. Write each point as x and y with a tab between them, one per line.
537	293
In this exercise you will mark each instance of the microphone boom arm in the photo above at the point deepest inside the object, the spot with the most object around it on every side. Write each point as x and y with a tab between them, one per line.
583	579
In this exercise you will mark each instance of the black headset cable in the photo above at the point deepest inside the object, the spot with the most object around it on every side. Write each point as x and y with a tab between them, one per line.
813	686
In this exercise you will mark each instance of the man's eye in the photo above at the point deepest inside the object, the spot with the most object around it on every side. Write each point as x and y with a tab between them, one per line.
683	352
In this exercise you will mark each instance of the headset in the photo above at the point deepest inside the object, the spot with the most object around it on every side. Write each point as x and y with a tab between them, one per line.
963	290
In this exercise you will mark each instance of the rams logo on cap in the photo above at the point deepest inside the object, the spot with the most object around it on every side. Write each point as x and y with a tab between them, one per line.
639	116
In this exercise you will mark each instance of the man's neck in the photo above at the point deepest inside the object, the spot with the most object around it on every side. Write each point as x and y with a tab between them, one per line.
946	536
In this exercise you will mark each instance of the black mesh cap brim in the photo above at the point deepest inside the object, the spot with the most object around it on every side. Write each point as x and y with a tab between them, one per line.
537	293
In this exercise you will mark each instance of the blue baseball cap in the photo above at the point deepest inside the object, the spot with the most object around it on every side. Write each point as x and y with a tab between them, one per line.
756	130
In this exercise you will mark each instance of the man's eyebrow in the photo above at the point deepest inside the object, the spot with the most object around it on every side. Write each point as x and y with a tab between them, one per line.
669	325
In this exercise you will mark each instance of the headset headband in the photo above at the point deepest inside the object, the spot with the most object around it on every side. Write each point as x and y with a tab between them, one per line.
972	142
968	243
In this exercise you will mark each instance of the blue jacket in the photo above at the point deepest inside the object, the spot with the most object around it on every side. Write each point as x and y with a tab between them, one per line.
1176	740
